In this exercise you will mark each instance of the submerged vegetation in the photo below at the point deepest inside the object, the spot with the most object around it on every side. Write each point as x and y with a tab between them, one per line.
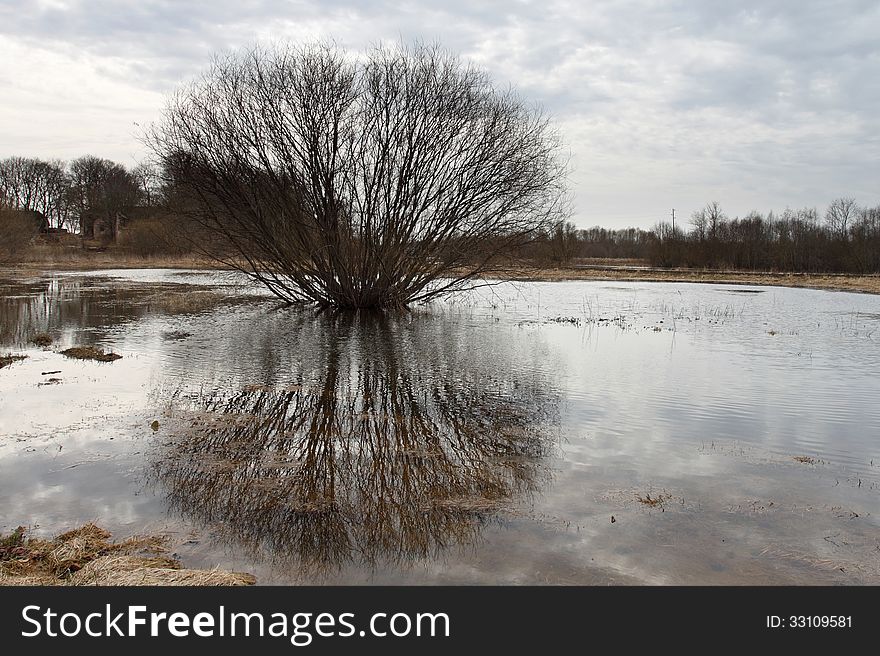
657	501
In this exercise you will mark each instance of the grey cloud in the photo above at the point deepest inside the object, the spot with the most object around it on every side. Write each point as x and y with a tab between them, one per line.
716	90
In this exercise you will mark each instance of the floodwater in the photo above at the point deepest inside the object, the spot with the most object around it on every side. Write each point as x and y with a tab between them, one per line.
533	433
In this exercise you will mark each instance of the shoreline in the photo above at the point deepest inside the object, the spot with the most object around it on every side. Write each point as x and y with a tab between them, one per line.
864	284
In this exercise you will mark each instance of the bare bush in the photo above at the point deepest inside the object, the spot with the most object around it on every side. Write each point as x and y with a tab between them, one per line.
369	181
17	229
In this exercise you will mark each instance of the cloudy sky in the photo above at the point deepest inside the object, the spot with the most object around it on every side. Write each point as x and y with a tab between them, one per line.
757	104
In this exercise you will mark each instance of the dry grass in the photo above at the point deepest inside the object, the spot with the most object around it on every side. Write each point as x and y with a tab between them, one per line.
85	556
42	339
869	284
611	261
807	460
6	360
70	256
90	353
187	302
127	570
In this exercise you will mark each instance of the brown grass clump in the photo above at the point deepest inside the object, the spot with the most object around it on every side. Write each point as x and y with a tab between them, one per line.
128	570
6	360
85	556
42	339
655	501
807	460
90	353
189	302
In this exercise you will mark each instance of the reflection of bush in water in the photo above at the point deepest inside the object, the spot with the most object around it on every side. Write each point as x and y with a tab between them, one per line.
384	459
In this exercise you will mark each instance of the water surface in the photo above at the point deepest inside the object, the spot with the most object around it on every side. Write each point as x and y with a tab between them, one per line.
566	432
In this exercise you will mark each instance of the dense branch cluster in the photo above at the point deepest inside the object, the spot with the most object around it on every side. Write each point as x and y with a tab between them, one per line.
368	181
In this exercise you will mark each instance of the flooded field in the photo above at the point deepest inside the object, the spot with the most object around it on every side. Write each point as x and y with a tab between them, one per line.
536	433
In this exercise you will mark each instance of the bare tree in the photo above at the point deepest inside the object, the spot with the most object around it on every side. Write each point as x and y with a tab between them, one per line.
563	241
17	185
370	181
35	185
700	223
149	182
715	217
869	221
840	214
101	189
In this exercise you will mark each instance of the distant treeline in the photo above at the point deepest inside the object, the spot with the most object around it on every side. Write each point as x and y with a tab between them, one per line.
80	194
90	197
846	238
73	195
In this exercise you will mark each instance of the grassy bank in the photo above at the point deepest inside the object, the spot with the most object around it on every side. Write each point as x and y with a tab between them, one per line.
50	259
86	556
869	284
46	258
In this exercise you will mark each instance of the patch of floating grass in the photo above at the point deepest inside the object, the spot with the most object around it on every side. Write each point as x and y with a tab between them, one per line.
189	302
90	353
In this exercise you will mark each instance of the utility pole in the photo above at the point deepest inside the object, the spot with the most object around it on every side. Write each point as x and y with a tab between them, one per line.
673	221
